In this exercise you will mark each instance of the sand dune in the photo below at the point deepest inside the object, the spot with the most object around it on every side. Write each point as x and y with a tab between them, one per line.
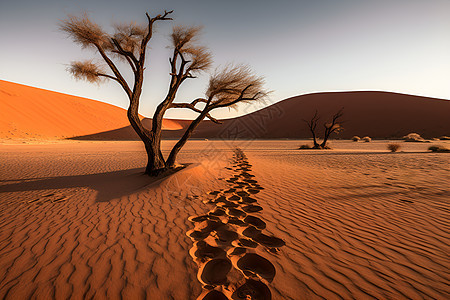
376	114
80	220
32	113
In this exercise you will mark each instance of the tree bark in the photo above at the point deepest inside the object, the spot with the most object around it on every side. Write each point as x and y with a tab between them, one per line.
171	160
152	142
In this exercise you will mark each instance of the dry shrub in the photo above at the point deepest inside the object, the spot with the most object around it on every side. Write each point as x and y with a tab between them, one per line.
305	147
393	147
438	148
367	139
356	138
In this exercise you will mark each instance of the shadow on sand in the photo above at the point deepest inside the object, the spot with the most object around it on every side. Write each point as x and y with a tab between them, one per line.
109	185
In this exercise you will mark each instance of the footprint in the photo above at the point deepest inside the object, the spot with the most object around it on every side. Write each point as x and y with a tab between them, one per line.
226	236
212	295
255	221
254	264
247	200
252	289
247	175
198	218
214	272
236	221
243	242
209	225
242	194
203	251
234	212
220	199
252	208
251	231
253	190
234	198
217	212
268	241
197	235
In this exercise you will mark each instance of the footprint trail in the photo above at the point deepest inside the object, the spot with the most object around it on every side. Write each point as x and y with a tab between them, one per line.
226	239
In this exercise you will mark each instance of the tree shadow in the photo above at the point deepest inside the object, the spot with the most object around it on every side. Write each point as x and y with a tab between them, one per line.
109	185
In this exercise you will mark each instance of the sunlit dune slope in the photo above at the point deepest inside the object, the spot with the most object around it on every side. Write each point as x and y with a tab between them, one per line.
33	113
376	114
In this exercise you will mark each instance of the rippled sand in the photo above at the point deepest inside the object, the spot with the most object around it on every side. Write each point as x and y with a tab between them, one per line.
80	220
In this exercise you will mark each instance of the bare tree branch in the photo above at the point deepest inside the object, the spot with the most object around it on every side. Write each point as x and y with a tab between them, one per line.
129	56
192	107
116	72
149	34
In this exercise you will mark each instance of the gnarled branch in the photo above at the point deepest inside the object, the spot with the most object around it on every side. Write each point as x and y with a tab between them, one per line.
191	106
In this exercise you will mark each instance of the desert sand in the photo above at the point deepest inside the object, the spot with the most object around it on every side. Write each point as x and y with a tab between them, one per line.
80	220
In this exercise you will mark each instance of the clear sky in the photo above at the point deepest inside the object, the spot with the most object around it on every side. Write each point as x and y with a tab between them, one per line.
300	47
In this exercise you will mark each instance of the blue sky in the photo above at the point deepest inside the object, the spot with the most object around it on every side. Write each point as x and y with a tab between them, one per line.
298	46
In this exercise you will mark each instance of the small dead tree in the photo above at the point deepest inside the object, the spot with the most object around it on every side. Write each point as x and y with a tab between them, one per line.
129	44
330	127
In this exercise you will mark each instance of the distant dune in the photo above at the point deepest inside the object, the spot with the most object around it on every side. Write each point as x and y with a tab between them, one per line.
27	112
33	113
376	114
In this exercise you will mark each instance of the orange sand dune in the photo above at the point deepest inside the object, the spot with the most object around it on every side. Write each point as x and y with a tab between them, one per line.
33	113
381	115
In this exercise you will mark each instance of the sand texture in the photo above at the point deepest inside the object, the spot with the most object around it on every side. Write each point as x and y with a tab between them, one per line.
251	218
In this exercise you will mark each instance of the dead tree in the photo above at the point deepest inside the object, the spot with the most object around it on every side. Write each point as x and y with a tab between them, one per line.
226	88
312	125
129	43
331	127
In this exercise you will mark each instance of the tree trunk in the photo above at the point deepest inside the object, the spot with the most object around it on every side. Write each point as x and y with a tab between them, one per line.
327	133
171	160
155	159
323	145
316	144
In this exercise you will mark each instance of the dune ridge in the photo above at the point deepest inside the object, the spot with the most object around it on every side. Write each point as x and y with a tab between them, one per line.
381	115
32	113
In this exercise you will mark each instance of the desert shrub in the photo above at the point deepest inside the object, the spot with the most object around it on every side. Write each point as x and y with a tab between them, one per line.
445	138
305	147
367	139
393	147
356	138
438	148
413	137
